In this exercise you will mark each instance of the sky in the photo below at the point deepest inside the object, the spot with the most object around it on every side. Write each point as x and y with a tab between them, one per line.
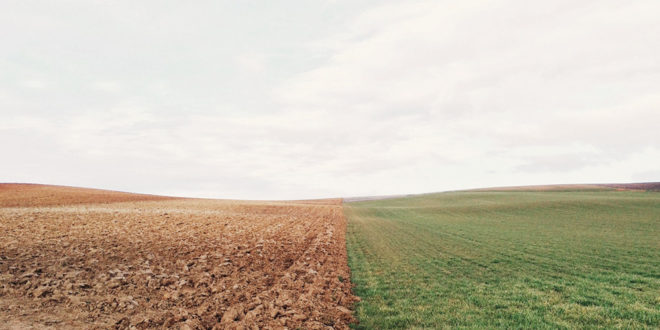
311	99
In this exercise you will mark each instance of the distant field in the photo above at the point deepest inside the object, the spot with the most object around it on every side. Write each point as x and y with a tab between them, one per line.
531	259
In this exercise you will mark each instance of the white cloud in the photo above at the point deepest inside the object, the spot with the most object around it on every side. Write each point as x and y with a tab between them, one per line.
106	86
33	84
395	98
251	63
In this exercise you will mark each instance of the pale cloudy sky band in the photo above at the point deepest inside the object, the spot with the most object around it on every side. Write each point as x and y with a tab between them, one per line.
275	100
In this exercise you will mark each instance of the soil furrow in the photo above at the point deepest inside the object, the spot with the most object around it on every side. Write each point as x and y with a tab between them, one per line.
174	263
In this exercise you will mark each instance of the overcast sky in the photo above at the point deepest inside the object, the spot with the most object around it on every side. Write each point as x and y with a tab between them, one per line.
306	99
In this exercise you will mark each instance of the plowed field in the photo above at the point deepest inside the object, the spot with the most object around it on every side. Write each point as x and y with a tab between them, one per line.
177	263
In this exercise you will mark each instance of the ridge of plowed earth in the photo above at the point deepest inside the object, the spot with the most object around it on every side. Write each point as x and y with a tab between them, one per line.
27	195
180	263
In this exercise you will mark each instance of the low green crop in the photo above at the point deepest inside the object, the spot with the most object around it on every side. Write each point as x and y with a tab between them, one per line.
507	259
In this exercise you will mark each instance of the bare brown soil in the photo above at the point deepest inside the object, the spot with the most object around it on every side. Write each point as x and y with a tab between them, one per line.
26	195
647	186
170	263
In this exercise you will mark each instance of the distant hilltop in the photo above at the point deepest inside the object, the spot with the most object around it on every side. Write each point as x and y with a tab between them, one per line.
643	186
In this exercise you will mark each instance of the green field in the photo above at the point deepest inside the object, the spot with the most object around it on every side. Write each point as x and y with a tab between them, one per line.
556	259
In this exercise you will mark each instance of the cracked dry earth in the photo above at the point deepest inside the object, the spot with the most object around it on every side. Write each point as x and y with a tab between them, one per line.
130	261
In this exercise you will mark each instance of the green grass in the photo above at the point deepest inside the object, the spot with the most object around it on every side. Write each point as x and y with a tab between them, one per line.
563	259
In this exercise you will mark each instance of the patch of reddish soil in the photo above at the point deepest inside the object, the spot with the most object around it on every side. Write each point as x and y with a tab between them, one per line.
25	195
647	186
177	263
